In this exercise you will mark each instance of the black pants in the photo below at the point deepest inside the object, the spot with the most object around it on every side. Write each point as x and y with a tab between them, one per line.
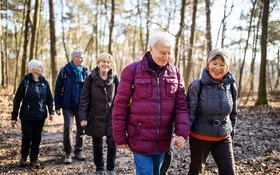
221	151
31	138
98	153
68	132
167	161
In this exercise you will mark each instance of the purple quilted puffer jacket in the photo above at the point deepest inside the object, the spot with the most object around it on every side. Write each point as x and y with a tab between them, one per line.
158	104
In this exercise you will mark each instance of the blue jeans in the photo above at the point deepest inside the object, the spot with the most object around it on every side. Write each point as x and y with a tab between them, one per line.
68	133
148	164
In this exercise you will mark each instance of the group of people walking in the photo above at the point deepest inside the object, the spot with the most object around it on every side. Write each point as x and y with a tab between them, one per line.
146	110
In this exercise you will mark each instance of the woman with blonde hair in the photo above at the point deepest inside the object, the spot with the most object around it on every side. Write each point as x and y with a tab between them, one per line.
95	110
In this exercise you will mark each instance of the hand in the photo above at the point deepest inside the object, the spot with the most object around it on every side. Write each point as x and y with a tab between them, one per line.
124	146
179	141
13	123
84	123
57	112
51	117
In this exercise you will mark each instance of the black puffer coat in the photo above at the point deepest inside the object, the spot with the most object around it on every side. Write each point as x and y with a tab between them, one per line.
34	101
216	102
96	103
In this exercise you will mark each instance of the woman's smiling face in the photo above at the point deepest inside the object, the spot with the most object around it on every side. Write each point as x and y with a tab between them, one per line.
217	68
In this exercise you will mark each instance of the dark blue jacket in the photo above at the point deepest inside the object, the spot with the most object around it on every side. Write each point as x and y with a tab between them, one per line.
35	96
217	101
67	89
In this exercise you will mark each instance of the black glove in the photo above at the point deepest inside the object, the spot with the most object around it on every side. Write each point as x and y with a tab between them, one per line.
232	134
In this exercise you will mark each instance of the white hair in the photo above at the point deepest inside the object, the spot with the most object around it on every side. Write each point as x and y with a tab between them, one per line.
34	64
162	37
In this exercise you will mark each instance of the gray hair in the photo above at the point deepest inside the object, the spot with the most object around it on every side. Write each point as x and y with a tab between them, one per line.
162	37
34	64
76	53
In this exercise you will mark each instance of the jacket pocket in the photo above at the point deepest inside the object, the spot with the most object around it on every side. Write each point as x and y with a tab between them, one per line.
137	133
171	86
143	88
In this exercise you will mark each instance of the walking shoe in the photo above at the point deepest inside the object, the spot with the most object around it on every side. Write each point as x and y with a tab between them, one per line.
68	159
80	155
111	173
22	162
100	173
35	164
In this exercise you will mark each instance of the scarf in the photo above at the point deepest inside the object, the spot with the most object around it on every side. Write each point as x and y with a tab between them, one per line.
78	71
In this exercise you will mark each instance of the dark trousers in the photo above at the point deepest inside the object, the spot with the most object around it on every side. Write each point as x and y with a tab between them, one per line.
167	161
98	153
221	151
68	132
31	138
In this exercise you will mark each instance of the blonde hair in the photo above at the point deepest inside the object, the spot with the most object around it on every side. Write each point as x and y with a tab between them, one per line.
34	64
104	56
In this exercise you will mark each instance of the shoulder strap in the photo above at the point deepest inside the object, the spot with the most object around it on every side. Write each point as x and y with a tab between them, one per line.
63	77
26	84
134	73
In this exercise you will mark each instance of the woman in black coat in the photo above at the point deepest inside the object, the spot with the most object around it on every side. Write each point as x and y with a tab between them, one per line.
35	94
95	110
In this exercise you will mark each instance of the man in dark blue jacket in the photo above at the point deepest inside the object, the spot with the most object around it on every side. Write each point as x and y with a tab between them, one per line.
69	84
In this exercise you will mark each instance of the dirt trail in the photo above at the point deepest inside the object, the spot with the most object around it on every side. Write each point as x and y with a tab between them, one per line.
256	146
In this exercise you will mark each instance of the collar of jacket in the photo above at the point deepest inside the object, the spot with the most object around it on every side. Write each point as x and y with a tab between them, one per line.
95	76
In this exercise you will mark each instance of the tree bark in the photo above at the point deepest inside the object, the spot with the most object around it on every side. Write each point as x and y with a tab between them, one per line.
111	27
189	67
208	26
34	32
245	49
26	38
52	44
262	95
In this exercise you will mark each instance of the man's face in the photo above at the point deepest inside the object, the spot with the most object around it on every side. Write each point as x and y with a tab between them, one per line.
78	60
161	53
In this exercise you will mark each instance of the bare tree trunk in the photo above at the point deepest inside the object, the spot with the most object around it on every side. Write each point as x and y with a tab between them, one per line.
190	49
1	48
63	32
36	19
111	26
26	38
147	24
141	32
179	33
262	95
276	87
254	53
208	26
53	44
246	47
222	25
18	46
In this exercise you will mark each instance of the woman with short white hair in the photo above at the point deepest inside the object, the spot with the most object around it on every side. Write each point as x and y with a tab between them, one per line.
34	95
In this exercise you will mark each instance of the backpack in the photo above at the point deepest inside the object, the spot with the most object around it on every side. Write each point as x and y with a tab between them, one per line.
132	83
26	84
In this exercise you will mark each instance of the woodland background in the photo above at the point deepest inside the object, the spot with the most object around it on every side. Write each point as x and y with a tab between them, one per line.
49	30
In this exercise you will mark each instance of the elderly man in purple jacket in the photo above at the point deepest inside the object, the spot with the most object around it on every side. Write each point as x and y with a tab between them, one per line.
150	101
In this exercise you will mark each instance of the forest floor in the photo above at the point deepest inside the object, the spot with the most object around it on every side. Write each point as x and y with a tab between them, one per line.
256	145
